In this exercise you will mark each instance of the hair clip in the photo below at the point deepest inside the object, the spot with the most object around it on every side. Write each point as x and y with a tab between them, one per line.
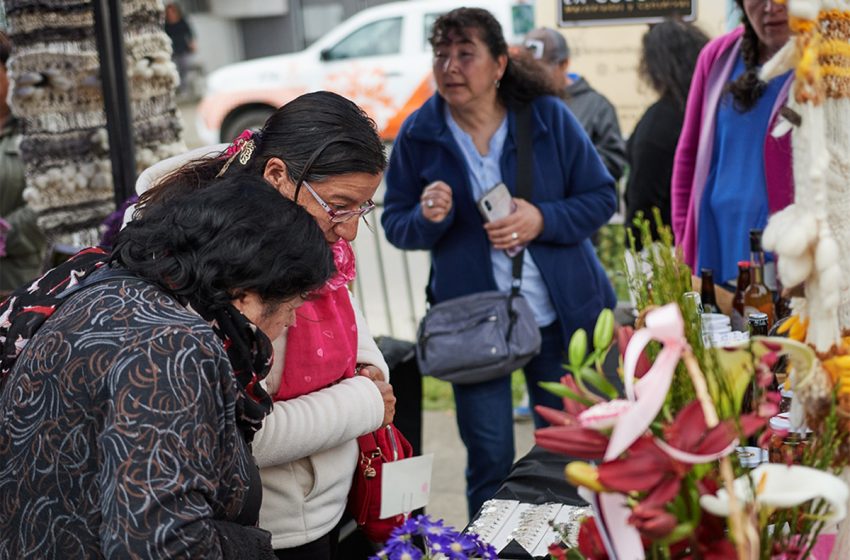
243	147
246	151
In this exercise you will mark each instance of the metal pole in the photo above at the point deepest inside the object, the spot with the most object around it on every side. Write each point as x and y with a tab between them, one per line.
116	100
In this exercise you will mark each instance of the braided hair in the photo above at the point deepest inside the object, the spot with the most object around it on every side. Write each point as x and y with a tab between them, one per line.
748	88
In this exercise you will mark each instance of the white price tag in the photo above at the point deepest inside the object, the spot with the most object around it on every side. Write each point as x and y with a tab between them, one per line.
405	485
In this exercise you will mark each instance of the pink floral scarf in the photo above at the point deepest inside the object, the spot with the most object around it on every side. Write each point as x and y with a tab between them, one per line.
321	348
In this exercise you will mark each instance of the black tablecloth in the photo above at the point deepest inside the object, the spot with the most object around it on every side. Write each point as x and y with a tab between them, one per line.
538	478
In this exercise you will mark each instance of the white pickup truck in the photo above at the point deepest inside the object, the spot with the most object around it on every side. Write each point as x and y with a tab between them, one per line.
379	58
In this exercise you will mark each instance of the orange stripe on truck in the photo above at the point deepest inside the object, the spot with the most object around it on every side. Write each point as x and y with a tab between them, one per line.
420	96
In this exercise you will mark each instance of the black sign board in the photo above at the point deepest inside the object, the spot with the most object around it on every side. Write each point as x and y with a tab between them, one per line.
613	12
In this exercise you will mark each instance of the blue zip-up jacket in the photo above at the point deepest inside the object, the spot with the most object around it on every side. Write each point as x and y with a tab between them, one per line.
572	189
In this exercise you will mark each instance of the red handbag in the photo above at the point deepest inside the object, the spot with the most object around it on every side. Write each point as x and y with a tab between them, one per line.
364	501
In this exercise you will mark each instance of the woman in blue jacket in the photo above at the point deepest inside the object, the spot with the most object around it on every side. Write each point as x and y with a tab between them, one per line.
452	150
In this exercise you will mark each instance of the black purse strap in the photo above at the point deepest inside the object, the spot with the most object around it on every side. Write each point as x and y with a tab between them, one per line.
524	178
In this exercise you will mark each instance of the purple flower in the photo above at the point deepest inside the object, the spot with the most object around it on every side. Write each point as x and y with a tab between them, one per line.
483	549
403	551
429	529
438	539
460	547
399	549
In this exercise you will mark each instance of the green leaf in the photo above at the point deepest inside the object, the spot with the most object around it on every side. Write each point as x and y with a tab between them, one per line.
561	390
593	377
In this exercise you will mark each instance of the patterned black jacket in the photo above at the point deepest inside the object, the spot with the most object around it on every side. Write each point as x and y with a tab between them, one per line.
118	437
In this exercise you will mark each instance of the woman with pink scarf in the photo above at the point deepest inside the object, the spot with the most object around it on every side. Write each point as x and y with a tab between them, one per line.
329	380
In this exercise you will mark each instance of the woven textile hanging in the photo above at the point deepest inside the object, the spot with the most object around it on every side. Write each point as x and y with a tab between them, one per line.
55	87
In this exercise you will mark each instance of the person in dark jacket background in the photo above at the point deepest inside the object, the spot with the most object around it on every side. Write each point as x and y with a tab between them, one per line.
595	113
670	51
448	153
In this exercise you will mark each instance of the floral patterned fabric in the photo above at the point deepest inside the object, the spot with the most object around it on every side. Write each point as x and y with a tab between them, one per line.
119	435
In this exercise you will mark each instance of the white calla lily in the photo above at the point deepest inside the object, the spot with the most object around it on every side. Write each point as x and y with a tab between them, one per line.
782	486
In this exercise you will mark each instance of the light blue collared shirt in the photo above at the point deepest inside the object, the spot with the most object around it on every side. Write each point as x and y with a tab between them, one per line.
484	174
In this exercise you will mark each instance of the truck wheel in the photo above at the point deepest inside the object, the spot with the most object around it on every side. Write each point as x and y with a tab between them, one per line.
253	119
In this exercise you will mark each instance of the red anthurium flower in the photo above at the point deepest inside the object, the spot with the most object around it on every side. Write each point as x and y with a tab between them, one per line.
556	417
590	541
572	407
574	441
689	433
648	468
645	468
654	523
712	540
557	552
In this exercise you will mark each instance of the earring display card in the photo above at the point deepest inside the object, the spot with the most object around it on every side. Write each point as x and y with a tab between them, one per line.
502	521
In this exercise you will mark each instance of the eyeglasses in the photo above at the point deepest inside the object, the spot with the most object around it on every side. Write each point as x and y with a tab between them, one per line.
340	216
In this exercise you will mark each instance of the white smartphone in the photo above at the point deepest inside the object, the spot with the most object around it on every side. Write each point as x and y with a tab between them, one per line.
495	204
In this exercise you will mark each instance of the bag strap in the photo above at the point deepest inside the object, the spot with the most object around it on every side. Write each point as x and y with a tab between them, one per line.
524	178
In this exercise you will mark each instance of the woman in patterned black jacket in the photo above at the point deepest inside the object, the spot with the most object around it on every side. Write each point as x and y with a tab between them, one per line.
129	382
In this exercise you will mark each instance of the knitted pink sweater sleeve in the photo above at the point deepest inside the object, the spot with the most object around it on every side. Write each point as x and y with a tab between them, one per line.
685	161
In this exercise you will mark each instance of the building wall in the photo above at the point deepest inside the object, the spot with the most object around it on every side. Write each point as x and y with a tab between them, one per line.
608	56
218	39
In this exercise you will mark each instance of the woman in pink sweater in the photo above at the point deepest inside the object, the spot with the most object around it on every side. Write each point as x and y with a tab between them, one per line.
733	163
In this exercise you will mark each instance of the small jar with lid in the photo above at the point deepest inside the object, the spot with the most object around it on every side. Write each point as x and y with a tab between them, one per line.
787	445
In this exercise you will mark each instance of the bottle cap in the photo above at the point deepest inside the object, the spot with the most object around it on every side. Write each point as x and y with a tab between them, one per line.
781	423
751	457
757	317
706	272
743	264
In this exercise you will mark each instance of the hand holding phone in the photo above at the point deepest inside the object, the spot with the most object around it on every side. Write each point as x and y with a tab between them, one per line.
495	204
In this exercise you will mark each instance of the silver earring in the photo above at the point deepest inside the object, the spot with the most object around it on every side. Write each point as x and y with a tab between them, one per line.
497	82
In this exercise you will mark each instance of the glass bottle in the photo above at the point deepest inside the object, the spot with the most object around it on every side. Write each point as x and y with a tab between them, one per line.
758	324
739	321
709	301
757	296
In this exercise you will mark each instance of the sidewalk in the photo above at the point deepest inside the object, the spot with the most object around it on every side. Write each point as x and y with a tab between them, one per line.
448	483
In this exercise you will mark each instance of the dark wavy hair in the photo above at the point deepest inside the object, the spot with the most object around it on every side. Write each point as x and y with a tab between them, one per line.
670	51
748	88
236	236
317	135
523	80
5	47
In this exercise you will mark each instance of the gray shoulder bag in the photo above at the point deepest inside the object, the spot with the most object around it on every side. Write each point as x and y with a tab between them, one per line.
483	336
